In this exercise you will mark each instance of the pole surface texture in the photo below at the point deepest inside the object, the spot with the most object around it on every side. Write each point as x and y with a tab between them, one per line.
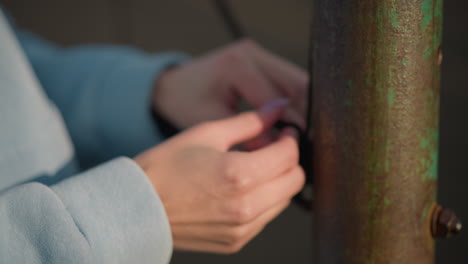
376	118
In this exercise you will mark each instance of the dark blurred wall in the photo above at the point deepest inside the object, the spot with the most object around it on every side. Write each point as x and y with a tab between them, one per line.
281	26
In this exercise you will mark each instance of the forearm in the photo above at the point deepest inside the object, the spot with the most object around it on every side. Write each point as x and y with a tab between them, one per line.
103	92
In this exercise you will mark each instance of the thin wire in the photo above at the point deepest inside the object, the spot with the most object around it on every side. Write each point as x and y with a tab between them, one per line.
305	143
306	149
237	32
310	86
229	19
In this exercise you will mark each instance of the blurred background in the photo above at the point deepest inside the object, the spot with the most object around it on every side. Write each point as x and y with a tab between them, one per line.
282	27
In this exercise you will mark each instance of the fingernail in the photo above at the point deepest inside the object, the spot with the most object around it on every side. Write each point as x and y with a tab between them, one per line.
274	104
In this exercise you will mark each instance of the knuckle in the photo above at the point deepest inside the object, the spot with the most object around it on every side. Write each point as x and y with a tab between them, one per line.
233	178
292	155
235	235
234	248
301	177
265	91
247	44
253	119
205	127
235	54
229	58
240	212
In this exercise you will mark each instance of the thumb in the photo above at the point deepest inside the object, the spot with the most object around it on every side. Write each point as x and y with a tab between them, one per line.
250	124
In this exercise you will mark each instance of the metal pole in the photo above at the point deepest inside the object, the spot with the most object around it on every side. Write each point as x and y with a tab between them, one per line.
376	121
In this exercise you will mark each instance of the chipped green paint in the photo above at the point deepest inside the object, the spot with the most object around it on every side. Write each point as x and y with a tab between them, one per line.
379	17
391	96
430	10
428	53
388	155
394	18
432	16
404	61
427	11
439	14
387	202
370	55
429	164
425	143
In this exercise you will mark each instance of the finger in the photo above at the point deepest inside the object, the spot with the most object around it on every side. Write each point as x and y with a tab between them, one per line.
248	125
293	116
289	78
222	238
225	233
215	111
267	163
259	142
197	245
273	192
253	87
261	222
258	200
252	84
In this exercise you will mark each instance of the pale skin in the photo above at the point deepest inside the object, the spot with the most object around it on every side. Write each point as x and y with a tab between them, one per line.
216	198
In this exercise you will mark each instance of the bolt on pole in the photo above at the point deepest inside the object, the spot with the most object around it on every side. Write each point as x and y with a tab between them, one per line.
376	120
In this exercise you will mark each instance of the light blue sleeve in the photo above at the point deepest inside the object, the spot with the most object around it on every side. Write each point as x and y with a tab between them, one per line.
103	92
109	214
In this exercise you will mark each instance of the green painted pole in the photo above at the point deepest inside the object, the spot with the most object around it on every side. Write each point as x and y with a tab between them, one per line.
376	121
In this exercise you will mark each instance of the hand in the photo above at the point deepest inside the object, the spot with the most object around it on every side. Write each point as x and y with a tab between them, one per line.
209	88
217	200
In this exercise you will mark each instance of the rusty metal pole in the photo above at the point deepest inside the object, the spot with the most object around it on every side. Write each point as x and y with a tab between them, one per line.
376	121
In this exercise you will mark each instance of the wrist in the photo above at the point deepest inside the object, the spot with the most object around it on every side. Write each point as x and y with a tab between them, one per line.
160	92
144	162
158	112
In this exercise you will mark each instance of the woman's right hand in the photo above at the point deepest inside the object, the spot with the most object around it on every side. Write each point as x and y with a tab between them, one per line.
217	200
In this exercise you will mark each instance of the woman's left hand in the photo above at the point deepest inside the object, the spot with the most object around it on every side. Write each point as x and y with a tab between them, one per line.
210	87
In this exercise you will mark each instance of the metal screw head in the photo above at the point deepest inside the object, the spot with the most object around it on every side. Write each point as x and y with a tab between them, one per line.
444	223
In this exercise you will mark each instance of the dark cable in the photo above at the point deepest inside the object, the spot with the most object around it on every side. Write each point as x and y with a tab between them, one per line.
305	144
307	150
229	20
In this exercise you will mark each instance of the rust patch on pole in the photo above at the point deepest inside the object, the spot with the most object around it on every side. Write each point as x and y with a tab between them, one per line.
376	120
